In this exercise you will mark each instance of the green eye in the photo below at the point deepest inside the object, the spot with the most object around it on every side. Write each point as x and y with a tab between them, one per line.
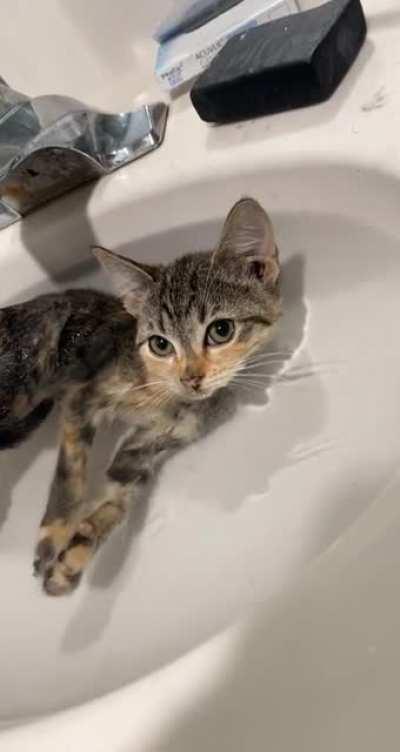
219	332
161	346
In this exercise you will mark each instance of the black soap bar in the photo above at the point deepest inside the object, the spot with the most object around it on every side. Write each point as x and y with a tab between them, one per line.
292	62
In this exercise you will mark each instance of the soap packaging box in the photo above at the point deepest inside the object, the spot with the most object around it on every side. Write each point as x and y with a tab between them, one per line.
186	56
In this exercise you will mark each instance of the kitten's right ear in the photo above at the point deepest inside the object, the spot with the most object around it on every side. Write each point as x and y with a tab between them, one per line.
248	233
131	281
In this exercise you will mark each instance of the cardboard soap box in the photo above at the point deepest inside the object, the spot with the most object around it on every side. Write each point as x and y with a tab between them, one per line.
184	57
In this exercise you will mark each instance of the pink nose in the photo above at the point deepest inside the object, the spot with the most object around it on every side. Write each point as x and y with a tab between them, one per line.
192	382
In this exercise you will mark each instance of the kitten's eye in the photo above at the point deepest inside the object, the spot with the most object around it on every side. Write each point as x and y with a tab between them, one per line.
160	346
219	332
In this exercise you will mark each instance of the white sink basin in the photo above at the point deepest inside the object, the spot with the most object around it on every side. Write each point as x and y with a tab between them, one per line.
235	518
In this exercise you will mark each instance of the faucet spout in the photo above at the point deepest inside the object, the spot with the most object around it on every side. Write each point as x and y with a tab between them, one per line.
52	144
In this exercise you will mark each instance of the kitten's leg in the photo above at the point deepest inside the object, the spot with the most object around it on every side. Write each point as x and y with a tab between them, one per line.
67	494
129	474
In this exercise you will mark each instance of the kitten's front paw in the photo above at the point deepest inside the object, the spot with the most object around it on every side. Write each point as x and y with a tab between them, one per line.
59	580
64	575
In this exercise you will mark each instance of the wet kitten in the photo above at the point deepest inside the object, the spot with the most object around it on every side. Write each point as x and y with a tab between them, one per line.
161	357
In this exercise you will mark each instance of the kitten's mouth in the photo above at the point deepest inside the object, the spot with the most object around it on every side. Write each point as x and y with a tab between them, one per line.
197	395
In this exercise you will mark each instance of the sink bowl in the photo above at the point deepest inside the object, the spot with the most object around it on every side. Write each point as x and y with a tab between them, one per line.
236	518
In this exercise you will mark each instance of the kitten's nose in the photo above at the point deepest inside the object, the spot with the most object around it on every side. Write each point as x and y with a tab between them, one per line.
193	382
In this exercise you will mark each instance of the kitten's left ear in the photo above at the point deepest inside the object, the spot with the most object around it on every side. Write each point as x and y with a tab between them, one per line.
131	281
248	233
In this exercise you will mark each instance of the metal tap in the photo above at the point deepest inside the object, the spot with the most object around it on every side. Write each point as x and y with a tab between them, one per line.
51	144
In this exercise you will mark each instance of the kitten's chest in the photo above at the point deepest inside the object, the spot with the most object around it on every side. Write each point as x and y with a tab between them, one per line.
145	409
180	424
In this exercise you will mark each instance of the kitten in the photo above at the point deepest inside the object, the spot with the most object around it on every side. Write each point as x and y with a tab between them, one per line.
162	356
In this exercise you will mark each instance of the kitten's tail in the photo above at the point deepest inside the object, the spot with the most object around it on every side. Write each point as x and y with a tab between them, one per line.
17	431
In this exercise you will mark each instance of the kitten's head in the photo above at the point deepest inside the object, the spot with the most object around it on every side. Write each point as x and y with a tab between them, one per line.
202	316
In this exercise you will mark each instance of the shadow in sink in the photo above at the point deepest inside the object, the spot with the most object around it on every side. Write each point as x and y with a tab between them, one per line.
44	233
15	463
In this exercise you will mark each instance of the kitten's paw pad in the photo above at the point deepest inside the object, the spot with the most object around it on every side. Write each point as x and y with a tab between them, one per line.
53	539
58	581
85	532
65	575
45	555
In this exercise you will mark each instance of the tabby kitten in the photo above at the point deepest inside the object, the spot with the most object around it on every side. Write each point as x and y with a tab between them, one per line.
160	356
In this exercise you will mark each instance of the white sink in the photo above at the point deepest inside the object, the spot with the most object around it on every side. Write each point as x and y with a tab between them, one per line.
234	518
260	583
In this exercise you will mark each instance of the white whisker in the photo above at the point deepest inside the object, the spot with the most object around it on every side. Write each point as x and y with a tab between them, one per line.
264	361
250	366
145	386
269	353
250	386
260	376
243	380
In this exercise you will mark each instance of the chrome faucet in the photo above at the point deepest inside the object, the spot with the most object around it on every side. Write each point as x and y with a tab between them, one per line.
51	144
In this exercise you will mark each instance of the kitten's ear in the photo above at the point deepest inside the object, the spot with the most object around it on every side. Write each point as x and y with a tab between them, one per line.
248	233
131	281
